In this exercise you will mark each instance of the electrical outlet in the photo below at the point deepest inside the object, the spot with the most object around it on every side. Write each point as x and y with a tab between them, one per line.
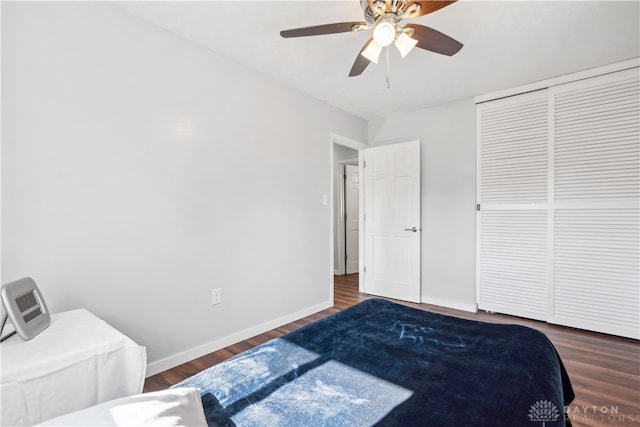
216	296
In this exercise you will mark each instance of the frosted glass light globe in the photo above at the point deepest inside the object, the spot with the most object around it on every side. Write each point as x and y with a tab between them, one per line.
384	33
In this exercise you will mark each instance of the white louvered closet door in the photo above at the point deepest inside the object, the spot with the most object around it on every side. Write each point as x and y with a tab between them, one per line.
596	193
512	190
558	233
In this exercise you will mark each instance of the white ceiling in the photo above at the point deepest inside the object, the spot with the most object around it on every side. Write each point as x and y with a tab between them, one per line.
506	44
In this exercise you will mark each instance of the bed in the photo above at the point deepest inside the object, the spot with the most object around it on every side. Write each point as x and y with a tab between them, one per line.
383	363
376	363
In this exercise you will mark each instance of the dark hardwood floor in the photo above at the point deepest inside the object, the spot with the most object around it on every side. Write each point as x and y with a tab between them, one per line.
604	369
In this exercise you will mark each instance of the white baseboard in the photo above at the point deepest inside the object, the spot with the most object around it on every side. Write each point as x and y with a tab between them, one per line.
161	365
473	308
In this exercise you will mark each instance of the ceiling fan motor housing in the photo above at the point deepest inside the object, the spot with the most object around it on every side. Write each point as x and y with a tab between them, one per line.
399	9
370	15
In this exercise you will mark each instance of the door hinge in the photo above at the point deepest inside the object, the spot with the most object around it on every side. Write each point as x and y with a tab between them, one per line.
364	164
365	268
478	207
346	257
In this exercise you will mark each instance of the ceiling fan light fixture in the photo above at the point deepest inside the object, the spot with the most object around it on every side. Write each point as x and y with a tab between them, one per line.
384	17
372	51
404	43
384	33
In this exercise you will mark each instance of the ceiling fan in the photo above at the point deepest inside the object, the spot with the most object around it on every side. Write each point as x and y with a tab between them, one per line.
384	17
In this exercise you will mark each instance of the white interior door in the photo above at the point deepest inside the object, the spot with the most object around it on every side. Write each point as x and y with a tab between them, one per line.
352	224
392	221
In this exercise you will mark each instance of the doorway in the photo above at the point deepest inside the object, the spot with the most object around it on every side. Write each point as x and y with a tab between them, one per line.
393	218
343	151
350	217
345	209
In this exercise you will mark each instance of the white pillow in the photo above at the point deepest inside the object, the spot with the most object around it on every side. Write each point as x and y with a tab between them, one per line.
171	407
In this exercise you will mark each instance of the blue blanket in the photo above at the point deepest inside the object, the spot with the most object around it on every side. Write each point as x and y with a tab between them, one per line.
382	363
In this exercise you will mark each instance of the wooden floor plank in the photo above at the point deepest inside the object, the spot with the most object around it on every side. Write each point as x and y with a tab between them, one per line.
604	369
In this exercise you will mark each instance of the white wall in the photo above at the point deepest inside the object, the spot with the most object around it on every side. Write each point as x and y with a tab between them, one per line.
447	134
139	171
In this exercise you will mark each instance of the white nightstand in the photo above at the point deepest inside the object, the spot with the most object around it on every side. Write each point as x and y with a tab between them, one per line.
77	362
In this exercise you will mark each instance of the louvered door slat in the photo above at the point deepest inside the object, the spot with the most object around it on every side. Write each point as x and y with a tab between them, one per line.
514	145
596	282
597	274
596	138
514	262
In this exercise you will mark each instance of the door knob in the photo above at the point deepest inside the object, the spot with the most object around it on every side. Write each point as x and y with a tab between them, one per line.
414	229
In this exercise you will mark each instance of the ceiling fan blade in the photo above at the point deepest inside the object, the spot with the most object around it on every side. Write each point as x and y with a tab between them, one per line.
433	40
429	6
361	62
318	30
